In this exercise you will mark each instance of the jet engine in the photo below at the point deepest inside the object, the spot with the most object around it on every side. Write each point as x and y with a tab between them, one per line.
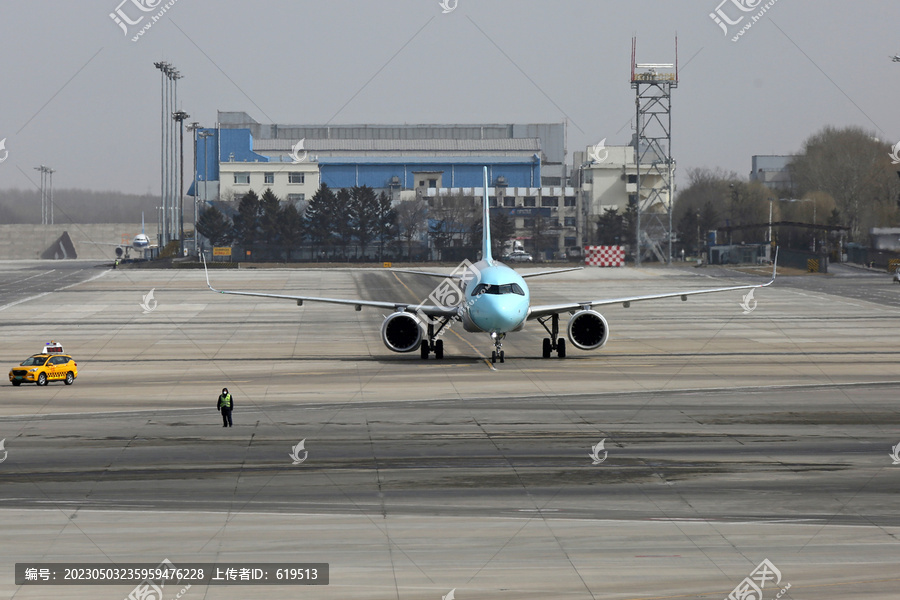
588	330
401	332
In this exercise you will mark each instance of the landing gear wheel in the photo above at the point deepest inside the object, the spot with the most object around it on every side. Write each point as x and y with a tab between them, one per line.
561	347
548	348
42	379
493	356
425	350
17	383
70	378
439	349
502	355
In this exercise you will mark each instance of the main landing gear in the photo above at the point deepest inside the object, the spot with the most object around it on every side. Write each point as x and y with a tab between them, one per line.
497	353
431	344
554	342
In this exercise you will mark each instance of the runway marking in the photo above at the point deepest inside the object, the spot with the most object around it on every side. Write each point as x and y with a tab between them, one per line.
90	279
511	398
23	300
320	514
483	357
32	277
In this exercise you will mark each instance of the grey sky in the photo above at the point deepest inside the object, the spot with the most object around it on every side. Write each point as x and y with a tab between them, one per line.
81	97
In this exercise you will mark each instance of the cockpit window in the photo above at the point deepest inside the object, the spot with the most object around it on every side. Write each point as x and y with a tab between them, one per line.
505	288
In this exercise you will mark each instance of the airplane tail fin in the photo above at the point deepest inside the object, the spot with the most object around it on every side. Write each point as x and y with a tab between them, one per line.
142	221
486	224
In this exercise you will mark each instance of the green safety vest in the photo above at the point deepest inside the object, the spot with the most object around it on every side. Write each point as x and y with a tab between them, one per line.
226	401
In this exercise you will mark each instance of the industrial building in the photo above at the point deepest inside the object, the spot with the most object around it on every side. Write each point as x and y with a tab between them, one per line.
528	176
526	166
773	171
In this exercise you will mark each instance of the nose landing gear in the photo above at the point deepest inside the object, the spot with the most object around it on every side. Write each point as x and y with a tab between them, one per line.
497	353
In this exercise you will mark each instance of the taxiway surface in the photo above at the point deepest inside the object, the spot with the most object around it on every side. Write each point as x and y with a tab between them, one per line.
729	438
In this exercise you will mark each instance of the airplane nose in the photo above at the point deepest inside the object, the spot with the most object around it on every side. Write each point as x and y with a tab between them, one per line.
498	313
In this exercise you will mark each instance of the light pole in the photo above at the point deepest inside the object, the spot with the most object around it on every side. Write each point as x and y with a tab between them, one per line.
40	170
699	246
193	127
180	116
168	166
164	70
204	135
46	194
173	177
50	173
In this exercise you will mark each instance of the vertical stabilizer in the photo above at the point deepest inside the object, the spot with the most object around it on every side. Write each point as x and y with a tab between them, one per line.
142	221
486	224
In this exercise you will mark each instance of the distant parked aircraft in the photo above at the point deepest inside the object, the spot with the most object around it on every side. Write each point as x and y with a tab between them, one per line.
140	242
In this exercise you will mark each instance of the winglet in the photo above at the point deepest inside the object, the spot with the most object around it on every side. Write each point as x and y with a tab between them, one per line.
774	270
206	271
486	224
775	264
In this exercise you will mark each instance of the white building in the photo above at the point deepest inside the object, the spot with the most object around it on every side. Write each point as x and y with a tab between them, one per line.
293	182
609	180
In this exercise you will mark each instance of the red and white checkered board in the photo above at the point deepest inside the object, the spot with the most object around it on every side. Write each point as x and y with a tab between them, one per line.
604	256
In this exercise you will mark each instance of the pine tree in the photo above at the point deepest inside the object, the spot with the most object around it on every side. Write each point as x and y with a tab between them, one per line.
291	229
364	215
214	226
270	218
387	223
246	221
319	219
343	228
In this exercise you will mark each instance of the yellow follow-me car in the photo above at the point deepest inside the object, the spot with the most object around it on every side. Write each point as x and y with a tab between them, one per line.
52	364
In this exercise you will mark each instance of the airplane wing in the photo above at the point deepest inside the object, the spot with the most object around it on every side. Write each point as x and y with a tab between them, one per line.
545	310
431	311
459	275
550	272
428	273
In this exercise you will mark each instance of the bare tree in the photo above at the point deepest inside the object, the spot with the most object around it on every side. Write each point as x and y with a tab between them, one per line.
854	168
456	221
411	216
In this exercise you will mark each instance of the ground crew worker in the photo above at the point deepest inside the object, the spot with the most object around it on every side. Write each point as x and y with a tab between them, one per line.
225	405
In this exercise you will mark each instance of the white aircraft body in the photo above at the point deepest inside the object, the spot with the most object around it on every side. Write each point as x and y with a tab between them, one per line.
140	242
494	300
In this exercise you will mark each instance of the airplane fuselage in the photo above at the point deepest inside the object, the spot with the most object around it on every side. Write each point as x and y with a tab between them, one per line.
140	242
496	301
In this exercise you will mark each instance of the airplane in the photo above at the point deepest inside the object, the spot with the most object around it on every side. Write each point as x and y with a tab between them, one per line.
491	298
140	242
895	58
